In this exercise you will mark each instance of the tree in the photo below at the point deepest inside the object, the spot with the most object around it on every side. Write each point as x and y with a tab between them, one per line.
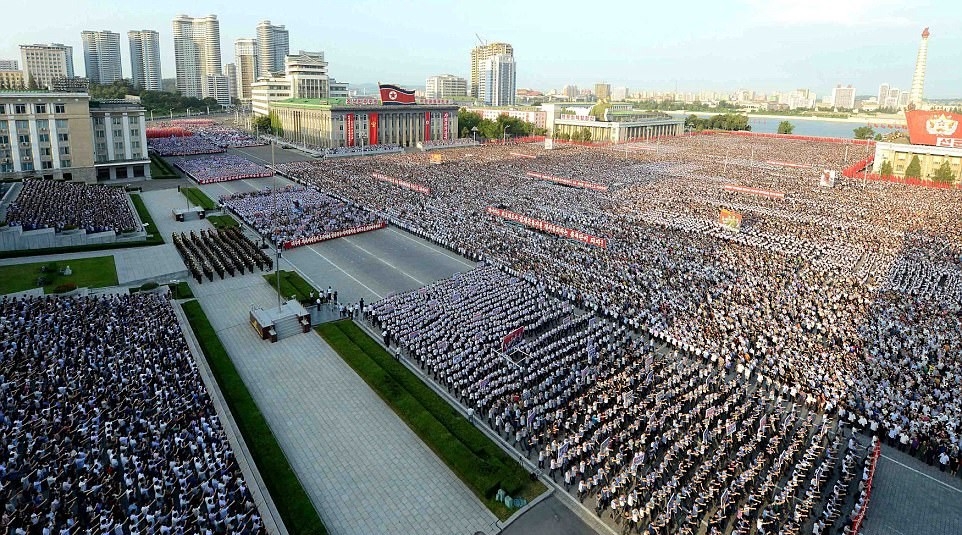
785	127
886	169
944	173
262	123
585	134
468	120
914	170
864	132
878	137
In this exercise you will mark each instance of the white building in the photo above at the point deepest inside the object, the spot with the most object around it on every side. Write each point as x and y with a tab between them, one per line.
120	140
217	87
230	71
245	59
445	86
145	59
843	97
196	53
497	83
619	94
273	43
269	89
883	94
43	63
307	72
9	65
798	99
339	89
102	56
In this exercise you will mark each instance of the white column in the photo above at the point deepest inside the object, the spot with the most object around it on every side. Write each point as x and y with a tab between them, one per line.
14	145
126	126
109	127
142	124
54	141
34	143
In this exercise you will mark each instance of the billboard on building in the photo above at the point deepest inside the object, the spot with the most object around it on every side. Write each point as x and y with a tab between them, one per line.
936	128
730	219
827	180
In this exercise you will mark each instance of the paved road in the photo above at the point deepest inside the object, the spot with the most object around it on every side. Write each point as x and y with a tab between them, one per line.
549	517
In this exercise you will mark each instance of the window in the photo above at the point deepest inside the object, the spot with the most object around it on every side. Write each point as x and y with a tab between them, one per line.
60	108
20	108
22	125
61	123
45	151
118	133
65	163
63	137
27	166
134	132
23	138
115	120
4	140
3	109
64	150
40	108
98	120
101	134
119	146
46	165
3	125
101	147
43	138
135	144
43	123
24	154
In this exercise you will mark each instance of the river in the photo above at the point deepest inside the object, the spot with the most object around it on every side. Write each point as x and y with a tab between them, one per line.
804	127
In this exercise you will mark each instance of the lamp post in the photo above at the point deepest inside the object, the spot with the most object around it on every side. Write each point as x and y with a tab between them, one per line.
188	113
504	135
172	114
474	131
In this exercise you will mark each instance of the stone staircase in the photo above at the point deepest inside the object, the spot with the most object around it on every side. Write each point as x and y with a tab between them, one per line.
287	327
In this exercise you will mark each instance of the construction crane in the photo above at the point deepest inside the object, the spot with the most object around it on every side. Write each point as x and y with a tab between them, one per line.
483	43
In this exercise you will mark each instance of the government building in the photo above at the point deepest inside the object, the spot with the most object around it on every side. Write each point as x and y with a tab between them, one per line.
620	124
346	122
935	136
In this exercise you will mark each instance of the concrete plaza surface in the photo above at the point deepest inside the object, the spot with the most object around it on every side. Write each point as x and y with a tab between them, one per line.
363	468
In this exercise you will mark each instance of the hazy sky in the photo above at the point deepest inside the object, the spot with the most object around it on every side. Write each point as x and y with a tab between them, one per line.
760	44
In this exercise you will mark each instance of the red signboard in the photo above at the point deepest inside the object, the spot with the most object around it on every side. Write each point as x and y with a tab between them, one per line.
372	128
349	129
445	131
569	182
427	126
403	183
551	228
512	339
936	128
333	235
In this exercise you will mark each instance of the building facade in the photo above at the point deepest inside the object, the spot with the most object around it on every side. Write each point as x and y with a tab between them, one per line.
900	156
102	60
497	82
44	63
196	53
230	71
119	140
267	90
603	91
445	86
245	60
843	97
12	80
45	134
339	89
478	55
273	43
9	65
145	59
533	115
307	72
338	122
217	87
630	126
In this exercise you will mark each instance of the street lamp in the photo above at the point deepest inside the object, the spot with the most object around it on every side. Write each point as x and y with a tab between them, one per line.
188	112
474	130
172	114
504	135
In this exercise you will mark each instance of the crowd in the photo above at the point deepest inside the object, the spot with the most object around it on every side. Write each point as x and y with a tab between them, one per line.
218	134
106	426
357	150
224	251
851	295
68	205
657	443
181	146
445	143
221	168
297	214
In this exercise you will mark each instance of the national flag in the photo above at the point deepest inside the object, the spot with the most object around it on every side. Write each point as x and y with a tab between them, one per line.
392	94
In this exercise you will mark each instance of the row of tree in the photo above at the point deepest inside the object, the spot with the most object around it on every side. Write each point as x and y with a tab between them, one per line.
726	121
496	129
154	101
943	174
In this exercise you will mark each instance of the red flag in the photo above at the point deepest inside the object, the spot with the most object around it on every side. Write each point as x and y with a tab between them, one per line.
372	128
392	94
427	126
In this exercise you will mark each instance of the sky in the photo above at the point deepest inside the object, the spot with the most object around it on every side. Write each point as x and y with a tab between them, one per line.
765	45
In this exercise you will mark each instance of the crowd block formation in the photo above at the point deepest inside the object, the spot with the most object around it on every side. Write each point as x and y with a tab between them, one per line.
221	168
70	205
222	252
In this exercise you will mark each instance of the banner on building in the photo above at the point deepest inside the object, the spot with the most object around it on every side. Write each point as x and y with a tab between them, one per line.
545	226
445	127
512	339
937	128
402	183
427	126
392	94
372	128
730	219
827	180
569	182
349	129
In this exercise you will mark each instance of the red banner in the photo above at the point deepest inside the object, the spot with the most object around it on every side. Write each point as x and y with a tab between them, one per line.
403	183
756	191
333	235
392	94
936	128
512	339
569	182
427	126
349	129
551	228
445	129
372	128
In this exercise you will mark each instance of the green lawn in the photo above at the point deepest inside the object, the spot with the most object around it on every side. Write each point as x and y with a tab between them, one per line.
476	460
153	235
159	168
222	221
95	272
295	508
199	198
293	284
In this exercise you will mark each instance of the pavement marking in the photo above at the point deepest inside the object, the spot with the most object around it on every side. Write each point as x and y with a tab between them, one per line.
385	262
426	246
944	484
339	268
